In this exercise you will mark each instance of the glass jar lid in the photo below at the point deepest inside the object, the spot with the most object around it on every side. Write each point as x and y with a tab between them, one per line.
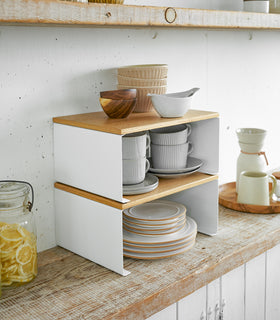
12	190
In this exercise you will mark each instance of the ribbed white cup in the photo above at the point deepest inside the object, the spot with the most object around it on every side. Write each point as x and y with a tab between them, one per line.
134	170
135	145
171	135
170	157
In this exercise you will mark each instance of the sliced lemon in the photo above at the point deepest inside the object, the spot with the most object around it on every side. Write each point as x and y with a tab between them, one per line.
24	254
10	233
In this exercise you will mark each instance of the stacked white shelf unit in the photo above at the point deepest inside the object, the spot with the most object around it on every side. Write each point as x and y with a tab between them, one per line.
88	170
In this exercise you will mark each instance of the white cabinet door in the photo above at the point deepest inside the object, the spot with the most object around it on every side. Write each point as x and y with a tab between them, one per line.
232	291
255	288
168	313
273	284
193	307
213	300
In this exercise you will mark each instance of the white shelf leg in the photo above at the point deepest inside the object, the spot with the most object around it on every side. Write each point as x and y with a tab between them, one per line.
202	205
90	229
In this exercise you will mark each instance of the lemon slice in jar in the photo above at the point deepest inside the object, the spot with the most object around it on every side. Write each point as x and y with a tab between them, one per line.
24	254
10	233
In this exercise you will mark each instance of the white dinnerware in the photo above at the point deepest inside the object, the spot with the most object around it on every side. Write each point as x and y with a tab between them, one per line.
135	145
254	188
172	105
171	135
149	184
134	170
256	6
170	156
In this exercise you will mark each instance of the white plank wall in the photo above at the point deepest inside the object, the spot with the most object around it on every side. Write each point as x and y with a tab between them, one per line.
255	288
250	292
213	299
233	294
273	284
193	307
168	313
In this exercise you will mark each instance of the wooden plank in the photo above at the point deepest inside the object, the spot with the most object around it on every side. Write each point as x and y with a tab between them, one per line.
80	289
165	188
255	288
54	12
136	122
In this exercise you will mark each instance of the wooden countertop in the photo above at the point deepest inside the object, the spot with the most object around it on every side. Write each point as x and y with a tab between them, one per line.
69	286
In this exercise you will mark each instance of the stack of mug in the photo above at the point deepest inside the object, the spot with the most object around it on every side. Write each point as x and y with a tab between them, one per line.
135	146
170	147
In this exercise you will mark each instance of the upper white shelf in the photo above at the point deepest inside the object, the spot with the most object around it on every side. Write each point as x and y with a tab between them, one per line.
56	12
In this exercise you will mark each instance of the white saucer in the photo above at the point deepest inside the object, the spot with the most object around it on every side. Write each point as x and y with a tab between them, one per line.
174	175
193	164
149	184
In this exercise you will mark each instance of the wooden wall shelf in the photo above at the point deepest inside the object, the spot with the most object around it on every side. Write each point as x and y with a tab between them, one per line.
56	12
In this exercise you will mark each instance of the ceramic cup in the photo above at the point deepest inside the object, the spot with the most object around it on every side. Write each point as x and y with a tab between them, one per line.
254	188
170	157
171	135
134	170
136	145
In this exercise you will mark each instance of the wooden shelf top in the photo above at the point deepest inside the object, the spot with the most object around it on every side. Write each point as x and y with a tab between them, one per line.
68	285
65	13
136	122
165	188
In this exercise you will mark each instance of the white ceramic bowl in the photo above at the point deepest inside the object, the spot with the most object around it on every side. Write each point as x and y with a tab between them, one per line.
256	6
144	103
251	135
173	105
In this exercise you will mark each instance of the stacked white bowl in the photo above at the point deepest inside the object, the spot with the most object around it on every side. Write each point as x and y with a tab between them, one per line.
151	78
170	147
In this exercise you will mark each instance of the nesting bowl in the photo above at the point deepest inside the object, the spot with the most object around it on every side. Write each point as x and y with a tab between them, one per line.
144	71
138	82
117	109
120	94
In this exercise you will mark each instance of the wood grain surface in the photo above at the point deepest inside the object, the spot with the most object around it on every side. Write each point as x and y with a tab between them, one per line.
66	13
165	188
228	199
135	123
71	287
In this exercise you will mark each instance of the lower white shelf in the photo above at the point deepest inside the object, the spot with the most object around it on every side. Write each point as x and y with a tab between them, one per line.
94	230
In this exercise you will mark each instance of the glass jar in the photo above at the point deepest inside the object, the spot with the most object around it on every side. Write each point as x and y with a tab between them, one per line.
274	6
17	234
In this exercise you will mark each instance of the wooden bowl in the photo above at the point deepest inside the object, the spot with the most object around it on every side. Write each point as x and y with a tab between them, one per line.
117	109
120	94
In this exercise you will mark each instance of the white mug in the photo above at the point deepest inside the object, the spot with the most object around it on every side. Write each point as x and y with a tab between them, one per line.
171	135
254	188
136	145
134	170
171	157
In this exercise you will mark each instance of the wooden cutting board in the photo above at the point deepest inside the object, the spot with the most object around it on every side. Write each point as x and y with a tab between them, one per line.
228	199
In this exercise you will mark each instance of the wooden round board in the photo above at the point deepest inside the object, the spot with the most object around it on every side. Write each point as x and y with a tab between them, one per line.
228	199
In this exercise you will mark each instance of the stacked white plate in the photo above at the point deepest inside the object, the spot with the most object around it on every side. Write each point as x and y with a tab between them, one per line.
157	229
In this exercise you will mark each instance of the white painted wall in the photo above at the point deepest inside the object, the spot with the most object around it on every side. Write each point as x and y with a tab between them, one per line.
48	71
